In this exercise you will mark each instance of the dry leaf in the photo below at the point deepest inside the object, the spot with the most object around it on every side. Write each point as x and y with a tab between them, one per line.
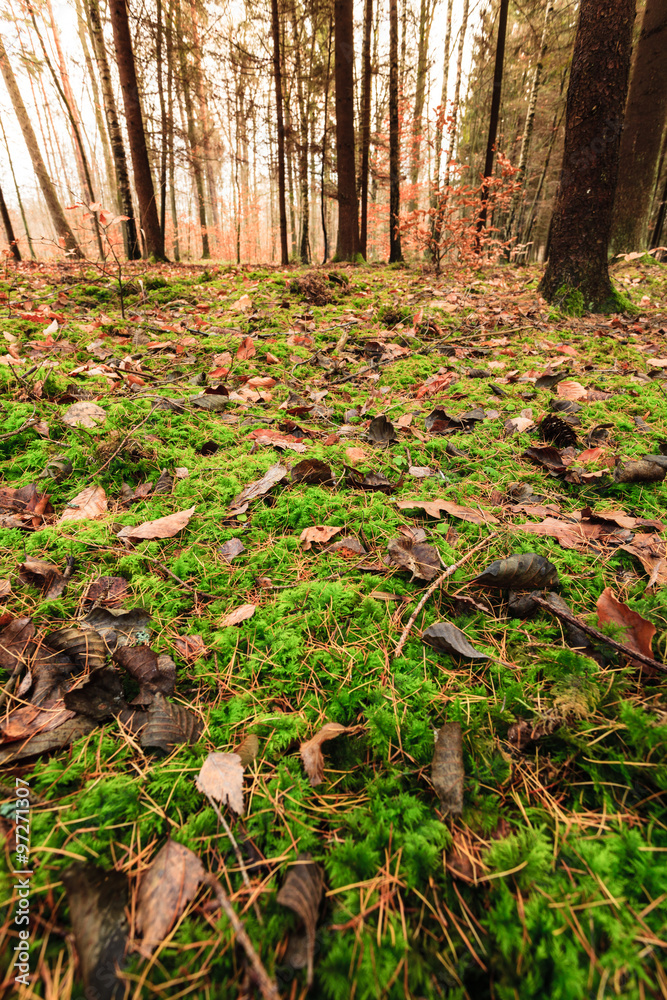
355	455
164	527
97	900
86	505
5	588
301	892
44	575
191	647
569	389
423	561
230	549
238	615
639	632
447	638
311	751
652	554
257	489
319	533
248	749
435	507
84	415
165	890
447	768
221	780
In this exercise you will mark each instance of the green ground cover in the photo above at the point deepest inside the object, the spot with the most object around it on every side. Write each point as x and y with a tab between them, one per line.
552	881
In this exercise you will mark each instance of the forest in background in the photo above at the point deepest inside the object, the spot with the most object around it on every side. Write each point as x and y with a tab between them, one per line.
224	92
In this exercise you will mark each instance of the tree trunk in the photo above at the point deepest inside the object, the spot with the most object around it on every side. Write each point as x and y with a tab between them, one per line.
366	81
426	12
495	110
18	193
660	219
596	95
323	203
162	181
395	253
132	249
9	229
304	242
348	208
170	131
278	83
58	219
442	115
457	92
143	180
82	29
195	157
529	123
645	117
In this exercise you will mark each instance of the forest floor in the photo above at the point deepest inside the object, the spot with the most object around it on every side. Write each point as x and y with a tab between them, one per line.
406	422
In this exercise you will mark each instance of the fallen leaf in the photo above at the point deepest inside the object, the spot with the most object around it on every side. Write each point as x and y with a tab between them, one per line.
301	892
107	590
311	750
276	439
44	575
355	455
373	481
164	527
314	472
517	425
548	457
381	430
652	554
319	533
221	780
258	488
238	615
169	884
348	547
119	627
84	415
165	725
568	389
519	572
99	697
447	638
153	672
5	588
639	631
248	749
87	505
97	900
435	507
423	561
639	472
190	647
242	304
447	772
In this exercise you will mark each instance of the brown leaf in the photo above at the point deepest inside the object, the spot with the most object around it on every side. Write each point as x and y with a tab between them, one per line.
54	739
373	481
247	347
230	549
319	533
165	890
313	472
85	647
99	697
569	389
381	430
248	749
166	725
348	547
640	472
435	507
301	892
31	505
355	455
640	632
16	643
107	590
526	571
86	505
164	527
191	647
447	772
119	627
97	900
5	588
84	415
221	779
27	720
44	575
258	488
447	638
423	561
548	457
153	672
652	554
311	750
238	615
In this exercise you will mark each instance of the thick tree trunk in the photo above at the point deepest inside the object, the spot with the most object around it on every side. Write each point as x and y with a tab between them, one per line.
660	219
395	253
645	117
9	229
143	180
132	249
581	223
58	219
278	83
348	208
366	81
495	109
323	210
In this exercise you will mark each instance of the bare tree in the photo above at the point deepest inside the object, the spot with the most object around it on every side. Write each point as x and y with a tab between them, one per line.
277	79
348	207
395	253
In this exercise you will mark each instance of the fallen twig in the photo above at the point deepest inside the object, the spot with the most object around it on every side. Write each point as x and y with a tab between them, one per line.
19	430
434	586
632	654
126	439
266	985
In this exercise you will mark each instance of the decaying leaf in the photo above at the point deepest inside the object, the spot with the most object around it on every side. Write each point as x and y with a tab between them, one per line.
372	481
640	472
548	457
238	615
165	890
639	631
348	547
311	750
313	472
84	415
301	892
527	571
28	720
97	901
423	561
86	505
99	697
165	725
44	575
447	772
221	779
248	749
5	588
230	549
163	527
85	647
317	534
652	554
522	734
43	742
258	488
107	590
381	430
118	627
447	638
435	507
153	672
190	647
276	439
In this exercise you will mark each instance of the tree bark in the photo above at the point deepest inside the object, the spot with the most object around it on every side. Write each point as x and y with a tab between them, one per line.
645	117
366	81
9	229
18	193
143	180
176	249
195	157
581	222
348	208
82	30
426	12
58	219
495	110
132	249
395	253
278	83
327	81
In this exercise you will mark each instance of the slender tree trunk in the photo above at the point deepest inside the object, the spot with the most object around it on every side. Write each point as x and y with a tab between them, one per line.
426	12
277	80
457	92
143	179
204	123
660	219
495	110
303	141
442	115
162	182
195	156
170	131
58	219
526	230
366	82
644	125
82	29
324	143
529	123
132	249
395	253
581	222
348	207
9	229
18	193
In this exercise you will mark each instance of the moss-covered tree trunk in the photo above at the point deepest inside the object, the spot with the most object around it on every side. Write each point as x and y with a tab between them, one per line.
581	224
